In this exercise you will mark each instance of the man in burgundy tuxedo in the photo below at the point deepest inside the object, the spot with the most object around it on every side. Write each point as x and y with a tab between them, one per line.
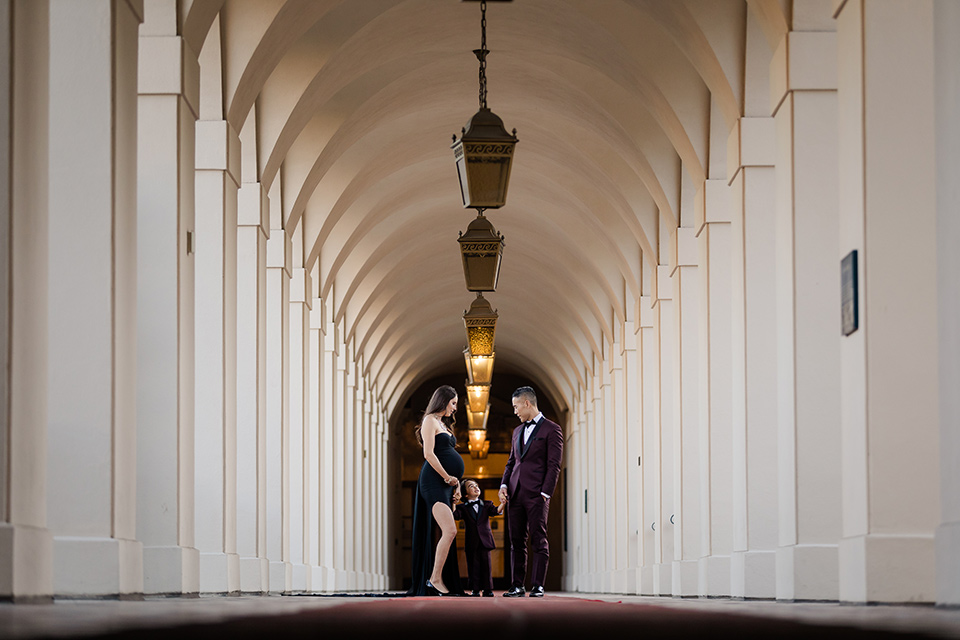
528	482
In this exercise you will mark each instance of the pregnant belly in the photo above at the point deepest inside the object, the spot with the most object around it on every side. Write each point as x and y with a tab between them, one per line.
452	462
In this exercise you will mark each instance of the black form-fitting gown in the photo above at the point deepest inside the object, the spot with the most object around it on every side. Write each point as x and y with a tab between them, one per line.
432	489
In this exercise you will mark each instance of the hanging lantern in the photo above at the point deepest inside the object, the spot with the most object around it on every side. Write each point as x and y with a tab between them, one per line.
484	152
478	397
481	248
479	368
481	324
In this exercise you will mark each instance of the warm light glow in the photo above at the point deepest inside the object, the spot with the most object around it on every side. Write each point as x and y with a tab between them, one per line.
478	419
478	396
477	438
479	368
479	446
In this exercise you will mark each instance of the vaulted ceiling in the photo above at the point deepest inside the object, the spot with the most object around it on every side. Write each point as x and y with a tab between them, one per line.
346	110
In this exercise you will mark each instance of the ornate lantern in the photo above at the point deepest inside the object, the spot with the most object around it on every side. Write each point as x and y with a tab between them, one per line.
481	324
479	368
478	397
484	152
477	434
481	248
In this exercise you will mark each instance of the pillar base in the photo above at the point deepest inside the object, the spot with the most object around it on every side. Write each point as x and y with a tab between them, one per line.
753	574
281	576
888	568
713	572
300	578
646	581
807	572
322	579
662	579
948	559
172	570
219	573
26	573
97	567
686	578
253	574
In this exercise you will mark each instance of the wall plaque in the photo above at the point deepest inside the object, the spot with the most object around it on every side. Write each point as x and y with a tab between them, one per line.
849	310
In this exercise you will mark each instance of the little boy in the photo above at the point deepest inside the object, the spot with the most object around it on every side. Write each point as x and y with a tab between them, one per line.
476	514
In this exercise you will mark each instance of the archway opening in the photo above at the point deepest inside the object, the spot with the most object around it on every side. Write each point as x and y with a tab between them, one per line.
405	458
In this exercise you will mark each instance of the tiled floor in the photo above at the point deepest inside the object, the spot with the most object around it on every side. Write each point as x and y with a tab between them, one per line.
89	617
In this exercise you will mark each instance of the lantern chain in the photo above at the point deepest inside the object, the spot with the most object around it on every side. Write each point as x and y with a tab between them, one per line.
482	54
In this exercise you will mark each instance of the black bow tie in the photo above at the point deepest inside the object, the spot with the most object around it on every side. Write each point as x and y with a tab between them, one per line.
473	501
529	423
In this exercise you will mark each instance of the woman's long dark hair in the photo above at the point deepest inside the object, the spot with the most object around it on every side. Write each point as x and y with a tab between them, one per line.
438	402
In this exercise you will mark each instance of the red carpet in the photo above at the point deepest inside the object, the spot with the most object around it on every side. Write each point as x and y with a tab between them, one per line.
502	619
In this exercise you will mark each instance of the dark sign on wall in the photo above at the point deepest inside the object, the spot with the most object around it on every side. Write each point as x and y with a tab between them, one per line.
849	311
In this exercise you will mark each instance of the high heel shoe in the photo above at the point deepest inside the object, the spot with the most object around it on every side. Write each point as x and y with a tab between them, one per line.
433	591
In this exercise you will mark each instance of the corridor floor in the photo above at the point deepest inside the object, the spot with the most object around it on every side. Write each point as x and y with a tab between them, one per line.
557	615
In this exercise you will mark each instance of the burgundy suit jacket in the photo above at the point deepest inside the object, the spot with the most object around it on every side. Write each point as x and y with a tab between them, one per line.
535	469
477	530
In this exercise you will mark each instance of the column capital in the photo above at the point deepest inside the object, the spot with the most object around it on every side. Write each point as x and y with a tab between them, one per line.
683	248
712	204
646	312
804	61
218	148
628	336
253	207
752	143
167	66
280	251
300	287
663	285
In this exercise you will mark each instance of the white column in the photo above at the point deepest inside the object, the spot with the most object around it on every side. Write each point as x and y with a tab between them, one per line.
947	92
650	453
803	79
754	366
301	447
278	426
168	104
607	453
92	334
595	504
252	229
341	509
716	446
313	497
890	426
664	328
26	546
330	458
630	490
686	456
350	505
217	182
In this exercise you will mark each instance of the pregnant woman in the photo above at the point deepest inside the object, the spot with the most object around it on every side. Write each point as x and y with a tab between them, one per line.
437	489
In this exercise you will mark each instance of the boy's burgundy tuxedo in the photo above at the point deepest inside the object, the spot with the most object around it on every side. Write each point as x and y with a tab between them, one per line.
478	542
531	470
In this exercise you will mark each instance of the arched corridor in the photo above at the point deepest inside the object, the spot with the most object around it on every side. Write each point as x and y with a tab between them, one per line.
231	278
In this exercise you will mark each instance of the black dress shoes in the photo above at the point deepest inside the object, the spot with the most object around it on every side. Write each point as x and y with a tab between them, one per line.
433	591
515	592
475	594
488	594
536	592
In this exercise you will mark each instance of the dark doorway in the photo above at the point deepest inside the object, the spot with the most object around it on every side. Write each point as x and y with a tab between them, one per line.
407	459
